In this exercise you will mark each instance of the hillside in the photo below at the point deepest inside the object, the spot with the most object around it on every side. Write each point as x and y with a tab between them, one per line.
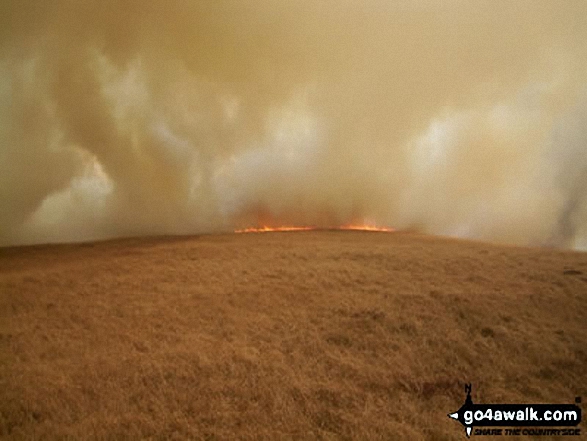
290	335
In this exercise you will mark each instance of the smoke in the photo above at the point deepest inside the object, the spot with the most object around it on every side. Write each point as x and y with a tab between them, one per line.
186	116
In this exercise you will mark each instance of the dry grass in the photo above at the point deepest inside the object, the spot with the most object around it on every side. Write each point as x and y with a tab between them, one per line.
305	335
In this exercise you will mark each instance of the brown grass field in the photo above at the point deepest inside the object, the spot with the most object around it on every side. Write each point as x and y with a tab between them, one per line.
299	335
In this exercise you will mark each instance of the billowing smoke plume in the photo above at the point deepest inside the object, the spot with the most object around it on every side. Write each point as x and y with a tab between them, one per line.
129	117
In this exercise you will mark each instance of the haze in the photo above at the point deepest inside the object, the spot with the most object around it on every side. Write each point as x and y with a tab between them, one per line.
177	117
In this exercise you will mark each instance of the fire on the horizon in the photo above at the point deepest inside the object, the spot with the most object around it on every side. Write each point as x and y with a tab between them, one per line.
266	229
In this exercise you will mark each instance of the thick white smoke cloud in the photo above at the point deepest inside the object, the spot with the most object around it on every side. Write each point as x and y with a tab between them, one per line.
130	117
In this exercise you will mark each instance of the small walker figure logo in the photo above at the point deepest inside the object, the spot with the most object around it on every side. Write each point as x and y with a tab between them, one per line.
518	418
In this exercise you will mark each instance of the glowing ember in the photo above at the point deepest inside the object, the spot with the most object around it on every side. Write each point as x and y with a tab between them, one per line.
266	229
364	228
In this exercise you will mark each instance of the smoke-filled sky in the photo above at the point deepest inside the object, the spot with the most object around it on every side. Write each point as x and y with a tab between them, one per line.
131	117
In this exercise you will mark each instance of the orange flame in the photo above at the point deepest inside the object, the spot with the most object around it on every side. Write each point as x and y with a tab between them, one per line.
365	228
266	229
